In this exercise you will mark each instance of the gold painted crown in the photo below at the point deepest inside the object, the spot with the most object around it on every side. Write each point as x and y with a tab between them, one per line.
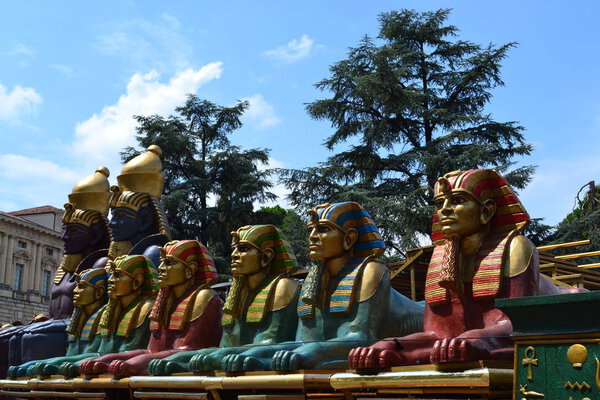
92	192
143	173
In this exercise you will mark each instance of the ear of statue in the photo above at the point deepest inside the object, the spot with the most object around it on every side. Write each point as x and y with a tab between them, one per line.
138	282
147	217
350	238
266	258
488	209
190	270
98	292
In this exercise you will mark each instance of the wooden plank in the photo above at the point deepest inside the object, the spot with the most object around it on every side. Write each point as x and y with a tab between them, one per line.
562	245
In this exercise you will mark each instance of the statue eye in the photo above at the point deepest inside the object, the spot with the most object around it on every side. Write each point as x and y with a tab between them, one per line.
323	229
458	200
439	204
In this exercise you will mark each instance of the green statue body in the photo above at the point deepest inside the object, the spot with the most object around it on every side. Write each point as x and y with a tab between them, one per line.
344	301
89	299
261	306
124	323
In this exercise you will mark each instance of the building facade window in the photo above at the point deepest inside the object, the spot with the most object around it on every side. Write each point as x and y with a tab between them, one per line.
21	244
46	283
49	252
18	283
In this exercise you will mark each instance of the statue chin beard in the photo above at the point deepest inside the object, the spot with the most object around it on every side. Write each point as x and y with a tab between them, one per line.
117	249
234	297
70	262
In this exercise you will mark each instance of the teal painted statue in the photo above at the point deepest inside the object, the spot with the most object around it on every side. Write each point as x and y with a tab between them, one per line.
124	323
345	300
89	299
261	306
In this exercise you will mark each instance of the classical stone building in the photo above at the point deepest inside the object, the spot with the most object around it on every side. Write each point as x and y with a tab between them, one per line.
30	253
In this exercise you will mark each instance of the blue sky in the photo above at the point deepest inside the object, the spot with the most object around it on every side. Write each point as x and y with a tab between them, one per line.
72	75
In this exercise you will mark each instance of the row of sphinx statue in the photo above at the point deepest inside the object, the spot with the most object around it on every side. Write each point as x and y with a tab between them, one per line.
140	303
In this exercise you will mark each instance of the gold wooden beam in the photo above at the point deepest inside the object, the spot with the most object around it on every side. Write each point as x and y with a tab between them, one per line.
566	244
578	255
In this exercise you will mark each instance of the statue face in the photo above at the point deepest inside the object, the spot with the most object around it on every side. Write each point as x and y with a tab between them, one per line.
459	214
171	272
245	260
119	284
325	241
124	223
76	238
84	294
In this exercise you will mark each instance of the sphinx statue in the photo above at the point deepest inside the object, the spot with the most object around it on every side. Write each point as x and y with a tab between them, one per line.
260	307
345	300
86	237
138	222
124	323
186	314
89	299
479	256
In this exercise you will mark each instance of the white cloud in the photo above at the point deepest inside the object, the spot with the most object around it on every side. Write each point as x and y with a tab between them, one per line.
18	102
18	166
20	49
260	112
159	45
66	70
294	51
100	138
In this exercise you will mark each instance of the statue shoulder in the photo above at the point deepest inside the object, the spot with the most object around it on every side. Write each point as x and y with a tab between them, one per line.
520	252
371	276
286	292
201	300
145	308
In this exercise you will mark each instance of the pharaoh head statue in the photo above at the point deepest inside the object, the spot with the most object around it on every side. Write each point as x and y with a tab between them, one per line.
128	275
90	290
186	264
343	227
469	201
257	249
135	206
85	227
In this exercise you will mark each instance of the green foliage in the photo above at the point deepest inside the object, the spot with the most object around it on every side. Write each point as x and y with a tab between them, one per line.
406	108
210	185
582	223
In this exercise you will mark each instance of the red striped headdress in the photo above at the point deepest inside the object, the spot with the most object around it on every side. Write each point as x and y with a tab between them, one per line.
187	251
483	184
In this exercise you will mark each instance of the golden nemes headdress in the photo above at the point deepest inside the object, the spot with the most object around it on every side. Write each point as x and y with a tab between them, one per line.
510	217
92	192
263	237
144	173
88	202
187	251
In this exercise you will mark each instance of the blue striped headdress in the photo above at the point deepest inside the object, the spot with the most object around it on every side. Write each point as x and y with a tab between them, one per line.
347	215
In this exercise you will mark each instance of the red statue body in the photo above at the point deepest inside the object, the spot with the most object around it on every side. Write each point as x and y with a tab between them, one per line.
479	257
186	315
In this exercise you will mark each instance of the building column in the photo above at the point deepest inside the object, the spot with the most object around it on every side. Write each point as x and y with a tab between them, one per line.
7	259
10	265
3	241
37	279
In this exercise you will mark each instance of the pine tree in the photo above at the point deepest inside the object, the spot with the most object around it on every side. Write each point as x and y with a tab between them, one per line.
406	108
